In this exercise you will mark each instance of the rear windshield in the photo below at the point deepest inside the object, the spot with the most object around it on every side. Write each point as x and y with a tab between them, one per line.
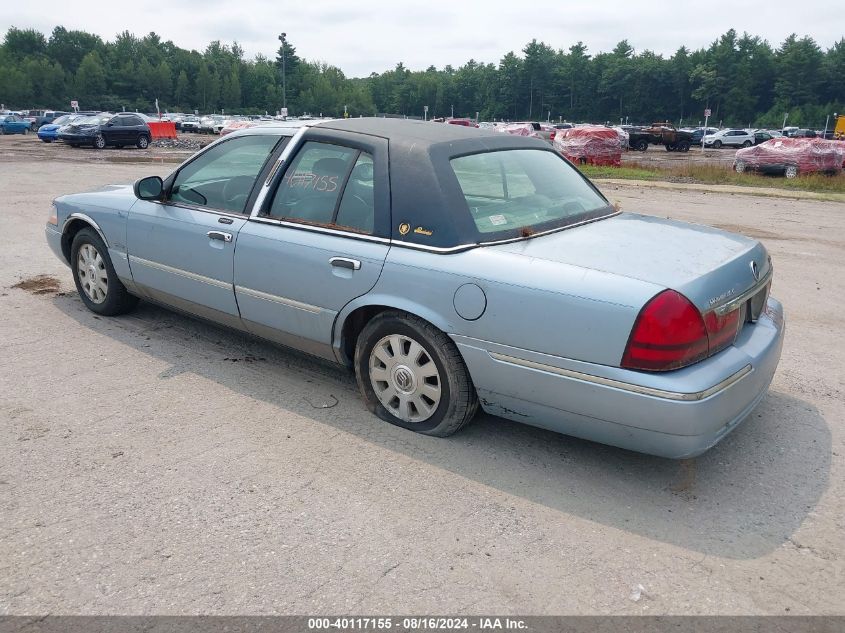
522	191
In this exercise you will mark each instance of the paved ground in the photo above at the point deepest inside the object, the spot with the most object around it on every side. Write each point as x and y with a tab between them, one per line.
155	464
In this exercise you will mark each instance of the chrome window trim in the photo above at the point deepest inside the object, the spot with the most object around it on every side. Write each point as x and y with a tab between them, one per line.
195	207
89	220
291	303
283	157
510	240
736	302
625	386
321	229
411	245
181	272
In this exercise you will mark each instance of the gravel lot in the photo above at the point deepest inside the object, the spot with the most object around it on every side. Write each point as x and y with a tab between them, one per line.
156	464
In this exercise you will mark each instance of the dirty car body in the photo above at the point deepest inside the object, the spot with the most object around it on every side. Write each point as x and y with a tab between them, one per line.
450	270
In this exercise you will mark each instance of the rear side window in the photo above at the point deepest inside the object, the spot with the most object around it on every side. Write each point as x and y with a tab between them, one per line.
510	190
328	185
223	177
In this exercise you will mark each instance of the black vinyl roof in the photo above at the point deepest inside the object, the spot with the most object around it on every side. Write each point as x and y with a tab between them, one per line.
398	130
427	204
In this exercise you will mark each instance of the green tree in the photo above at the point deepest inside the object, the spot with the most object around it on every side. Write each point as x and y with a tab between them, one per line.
91	78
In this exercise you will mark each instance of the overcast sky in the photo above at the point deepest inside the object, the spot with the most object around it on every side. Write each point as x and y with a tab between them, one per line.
362	37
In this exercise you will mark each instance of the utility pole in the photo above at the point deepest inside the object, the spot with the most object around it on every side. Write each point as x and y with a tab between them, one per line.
284	81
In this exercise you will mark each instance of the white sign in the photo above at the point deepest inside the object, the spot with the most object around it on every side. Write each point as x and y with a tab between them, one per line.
284	112
707	112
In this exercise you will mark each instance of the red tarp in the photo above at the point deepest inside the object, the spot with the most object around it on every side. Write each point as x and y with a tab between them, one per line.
590	144
522	129
807	154
162	129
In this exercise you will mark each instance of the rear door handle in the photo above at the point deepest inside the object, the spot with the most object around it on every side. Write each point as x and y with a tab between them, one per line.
345	262
220	235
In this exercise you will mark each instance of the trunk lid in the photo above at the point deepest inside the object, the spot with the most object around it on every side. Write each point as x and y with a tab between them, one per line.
708	266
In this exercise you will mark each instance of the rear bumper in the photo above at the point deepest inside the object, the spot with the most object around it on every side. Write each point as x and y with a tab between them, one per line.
675	414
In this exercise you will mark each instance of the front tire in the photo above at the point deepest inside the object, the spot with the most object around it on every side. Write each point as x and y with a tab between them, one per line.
739	166
412	375
717	145
95	278
791	171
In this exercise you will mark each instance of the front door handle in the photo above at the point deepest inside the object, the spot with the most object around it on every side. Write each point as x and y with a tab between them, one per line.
220	235
345	262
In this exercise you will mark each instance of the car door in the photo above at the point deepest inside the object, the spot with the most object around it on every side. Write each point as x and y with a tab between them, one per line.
134	127
316	241
181	249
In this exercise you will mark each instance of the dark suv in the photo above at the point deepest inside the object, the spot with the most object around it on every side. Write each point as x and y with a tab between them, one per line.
107	129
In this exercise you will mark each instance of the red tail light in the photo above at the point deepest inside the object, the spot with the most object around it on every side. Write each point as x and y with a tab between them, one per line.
671	333
552	135
721	330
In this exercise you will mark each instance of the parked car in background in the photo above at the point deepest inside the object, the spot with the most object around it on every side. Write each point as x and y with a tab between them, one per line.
212	124
792	156
14	124
761	136
37	118
430	271
237	123
698	133
729	138
49	132
804	133
591	145
190	123
464	122
117	130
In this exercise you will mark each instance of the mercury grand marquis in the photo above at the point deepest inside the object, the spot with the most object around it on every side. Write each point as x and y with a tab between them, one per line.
449	269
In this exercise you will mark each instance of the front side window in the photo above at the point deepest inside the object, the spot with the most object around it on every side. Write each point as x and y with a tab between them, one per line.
518	192
223	177
328	185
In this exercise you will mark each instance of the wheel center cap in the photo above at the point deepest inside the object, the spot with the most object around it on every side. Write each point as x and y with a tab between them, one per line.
92	273
404	380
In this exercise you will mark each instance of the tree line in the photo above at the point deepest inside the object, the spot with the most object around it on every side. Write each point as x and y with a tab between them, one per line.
742	79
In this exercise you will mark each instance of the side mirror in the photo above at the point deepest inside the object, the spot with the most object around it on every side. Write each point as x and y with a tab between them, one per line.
149	188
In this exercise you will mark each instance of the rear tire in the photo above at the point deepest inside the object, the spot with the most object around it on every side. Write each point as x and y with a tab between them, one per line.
747	144
641	145
683	146
99	141
791	171
26	131
739	167
143	142
412	375
96	281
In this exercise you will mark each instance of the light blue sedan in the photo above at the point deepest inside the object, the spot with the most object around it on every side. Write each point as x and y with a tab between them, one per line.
450	269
